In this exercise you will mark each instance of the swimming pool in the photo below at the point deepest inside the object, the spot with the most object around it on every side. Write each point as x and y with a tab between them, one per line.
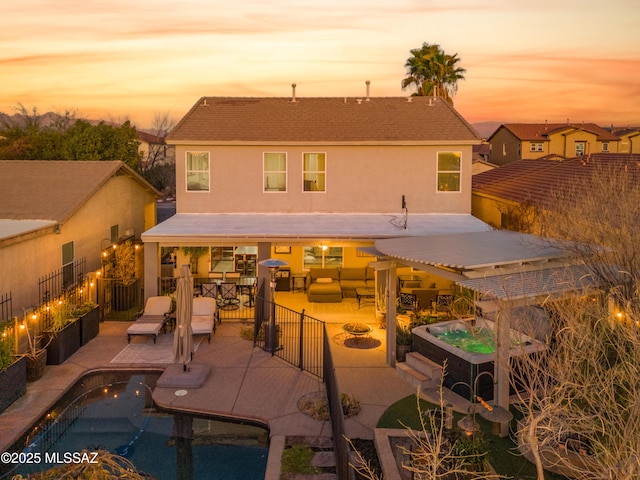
114	411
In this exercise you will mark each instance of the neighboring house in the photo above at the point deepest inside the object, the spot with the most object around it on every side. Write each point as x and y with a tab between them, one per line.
629	139
517	141
502	196
315	177
154	150
53	213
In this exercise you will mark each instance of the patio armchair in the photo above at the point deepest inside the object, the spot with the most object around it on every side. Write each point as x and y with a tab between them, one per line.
229	296
203	316
152	319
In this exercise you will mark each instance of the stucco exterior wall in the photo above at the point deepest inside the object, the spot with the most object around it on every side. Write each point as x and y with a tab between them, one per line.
504	147
366	179
121	201
487	210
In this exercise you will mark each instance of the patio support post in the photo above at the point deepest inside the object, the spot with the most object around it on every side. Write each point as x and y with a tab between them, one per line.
392	281
502	367
151	269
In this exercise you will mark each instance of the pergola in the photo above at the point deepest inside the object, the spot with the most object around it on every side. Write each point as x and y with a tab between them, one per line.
498	266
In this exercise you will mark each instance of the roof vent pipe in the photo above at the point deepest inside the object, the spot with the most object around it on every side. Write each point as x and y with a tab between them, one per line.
368	83
293	92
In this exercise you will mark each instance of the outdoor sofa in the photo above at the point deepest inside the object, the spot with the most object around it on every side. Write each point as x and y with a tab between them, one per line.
332	284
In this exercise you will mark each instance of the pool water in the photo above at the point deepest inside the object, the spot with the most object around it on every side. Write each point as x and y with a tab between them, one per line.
117	414
476	341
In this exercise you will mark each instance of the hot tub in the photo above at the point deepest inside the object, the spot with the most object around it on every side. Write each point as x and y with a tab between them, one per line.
468	348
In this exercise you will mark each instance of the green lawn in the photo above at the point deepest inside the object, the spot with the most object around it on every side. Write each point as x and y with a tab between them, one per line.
503	454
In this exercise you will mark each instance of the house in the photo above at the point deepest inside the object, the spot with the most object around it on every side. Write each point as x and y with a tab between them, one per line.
501	197
516	141
53	213
629	139
154	150
314	177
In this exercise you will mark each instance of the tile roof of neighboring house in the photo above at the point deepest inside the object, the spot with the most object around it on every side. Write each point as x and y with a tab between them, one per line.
54	190
149	138
531	181
541	131
326	120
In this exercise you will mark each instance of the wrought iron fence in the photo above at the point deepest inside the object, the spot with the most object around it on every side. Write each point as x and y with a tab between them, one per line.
120	301
292	336
61	290
342	448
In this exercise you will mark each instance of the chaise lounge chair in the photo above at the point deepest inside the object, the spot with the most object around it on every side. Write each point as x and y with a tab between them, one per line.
153	318
203	316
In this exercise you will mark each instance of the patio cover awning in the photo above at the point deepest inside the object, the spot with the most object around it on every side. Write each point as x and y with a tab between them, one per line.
472	250
294	227
530	284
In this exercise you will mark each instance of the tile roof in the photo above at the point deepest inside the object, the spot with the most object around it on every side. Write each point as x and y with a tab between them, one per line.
53	190
541	131
379	119
531	181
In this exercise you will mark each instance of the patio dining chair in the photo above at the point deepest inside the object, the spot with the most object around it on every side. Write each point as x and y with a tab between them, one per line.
209	290
229	295
408	301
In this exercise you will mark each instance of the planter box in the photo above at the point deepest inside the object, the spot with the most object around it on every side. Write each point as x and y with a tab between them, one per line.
35	366
13	383
63	344
89	325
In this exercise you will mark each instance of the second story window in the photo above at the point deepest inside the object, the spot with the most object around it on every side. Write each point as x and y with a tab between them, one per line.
580	148
197	172
275	172
314	172
449	171
536	147
605	146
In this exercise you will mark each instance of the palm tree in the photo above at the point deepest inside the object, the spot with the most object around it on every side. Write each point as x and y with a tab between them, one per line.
433	72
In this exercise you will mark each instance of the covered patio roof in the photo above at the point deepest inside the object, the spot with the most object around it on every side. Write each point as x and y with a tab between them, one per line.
472	250
293	227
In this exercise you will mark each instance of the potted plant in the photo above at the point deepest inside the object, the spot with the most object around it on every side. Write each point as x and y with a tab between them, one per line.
36	356
13	373
88	315
403	342
63	338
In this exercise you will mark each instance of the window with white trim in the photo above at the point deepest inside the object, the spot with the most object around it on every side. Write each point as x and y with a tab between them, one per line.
536	147
449	167
605	146
275	172
313	172
581	148
197	171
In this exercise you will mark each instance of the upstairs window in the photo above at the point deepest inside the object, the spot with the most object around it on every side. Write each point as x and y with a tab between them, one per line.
449	171
581	148
605	146
536	147
197	172
314	172
275	172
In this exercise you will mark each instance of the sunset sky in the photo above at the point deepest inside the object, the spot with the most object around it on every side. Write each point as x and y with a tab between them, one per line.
526	61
